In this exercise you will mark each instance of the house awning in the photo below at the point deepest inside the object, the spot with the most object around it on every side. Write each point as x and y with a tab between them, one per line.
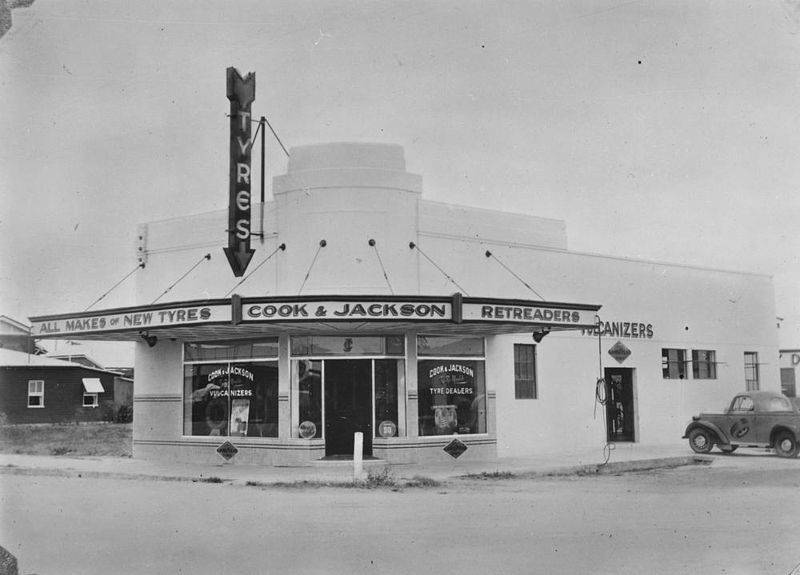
92	385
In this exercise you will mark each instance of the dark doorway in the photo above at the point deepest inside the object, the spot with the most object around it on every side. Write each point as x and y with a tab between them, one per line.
620	422
348	405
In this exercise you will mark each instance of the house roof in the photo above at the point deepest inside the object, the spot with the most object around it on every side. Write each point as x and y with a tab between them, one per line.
11	358
10	326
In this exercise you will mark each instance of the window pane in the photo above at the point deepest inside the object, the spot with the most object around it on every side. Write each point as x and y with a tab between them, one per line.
307	376
246	349
673	363
751	370
231	399
389	387
524	371
254	399
343	345
437	345
452	397
704	364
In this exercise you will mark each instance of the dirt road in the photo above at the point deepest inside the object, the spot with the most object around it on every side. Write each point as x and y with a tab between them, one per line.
739	517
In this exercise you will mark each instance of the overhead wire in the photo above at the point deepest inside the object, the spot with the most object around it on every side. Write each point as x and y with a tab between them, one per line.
374	245
204	258
412	245
280	248
509	270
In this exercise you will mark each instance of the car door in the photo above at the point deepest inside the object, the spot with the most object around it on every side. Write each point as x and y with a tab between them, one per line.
742	422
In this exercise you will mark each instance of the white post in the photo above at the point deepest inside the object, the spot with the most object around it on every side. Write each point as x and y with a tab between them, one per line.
358	452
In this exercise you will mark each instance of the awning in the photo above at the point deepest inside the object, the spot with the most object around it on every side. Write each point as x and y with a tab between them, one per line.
92	385
250	317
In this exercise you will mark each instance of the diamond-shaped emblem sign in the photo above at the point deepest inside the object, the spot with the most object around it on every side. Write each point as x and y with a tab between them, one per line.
227	450
619	352
455	448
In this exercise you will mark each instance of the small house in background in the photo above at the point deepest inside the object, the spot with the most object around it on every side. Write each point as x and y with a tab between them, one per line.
39	389
123	378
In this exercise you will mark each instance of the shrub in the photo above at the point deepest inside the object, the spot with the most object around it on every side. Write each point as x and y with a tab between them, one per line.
107	411
124	414
383	478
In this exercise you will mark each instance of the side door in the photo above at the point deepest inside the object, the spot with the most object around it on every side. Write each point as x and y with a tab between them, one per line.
741	424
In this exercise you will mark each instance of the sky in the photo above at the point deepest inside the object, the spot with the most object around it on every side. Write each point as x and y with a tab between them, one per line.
662	130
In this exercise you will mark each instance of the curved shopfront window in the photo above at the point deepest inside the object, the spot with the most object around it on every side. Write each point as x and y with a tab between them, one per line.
231	398
452	389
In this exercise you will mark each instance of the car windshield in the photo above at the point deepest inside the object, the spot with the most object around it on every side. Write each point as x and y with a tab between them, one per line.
742	403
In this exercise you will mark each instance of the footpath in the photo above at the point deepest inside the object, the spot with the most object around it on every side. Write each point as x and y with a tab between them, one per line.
622	458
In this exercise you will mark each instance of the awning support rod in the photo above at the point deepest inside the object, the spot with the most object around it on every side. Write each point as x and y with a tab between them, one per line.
280	248
412	245
204	258
141	265
509	270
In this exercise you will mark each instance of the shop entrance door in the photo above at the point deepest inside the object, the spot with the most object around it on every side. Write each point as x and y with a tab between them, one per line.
620	416
348	405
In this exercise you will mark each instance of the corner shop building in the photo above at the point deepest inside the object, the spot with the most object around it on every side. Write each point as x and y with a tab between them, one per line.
420	324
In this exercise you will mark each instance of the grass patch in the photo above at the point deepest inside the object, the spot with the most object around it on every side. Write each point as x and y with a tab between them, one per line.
98	439
419	481
382	478
209	480
487	475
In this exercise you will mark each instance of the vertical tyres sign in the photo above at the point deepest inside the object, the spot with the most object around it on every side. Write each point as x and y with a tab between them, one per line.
241	93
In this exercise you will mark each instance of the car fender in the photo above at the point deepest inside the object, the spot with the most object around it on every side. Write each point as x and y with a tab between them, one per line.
778	428
723	439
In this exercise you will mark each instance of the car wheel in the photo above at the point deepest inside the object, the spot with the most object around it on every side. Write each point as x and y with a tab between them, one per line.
701	440
786	444
729	449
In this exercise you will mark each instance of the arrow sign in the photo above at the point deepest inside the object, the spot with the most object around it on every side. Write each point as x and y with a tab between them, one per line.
241	93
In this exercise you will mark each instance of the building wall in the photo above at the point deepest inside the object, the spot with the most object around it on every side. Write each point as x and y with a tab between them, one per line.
63	394
349	194
790	371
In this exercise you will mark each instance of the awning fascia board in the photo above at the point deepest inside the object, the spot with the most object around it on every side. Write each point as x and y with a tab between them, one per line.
239	317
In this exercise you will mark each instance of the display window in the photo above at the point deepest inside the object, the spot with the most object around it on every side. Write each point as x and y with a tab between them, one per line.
451	390
230	398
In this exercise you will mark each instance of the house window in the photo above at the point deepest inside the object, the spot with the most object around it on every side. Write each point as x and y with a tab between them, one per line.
704	364
90	400
525	371
751	370
673	363
92	387
36	393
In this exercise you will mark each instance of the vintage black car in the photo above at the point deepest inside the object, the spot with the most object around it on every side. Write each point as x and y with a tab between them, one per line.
753	419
